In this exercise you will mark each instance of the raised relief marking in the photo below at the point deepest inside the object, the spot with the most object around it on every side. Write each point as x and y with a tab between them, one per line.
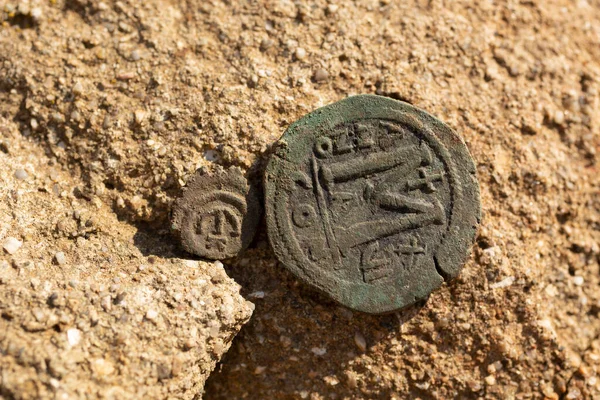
411	212
364	139
425	181
362	166
324	212
218	227
391	127
411	250
304	216
343	144
378	264
374	264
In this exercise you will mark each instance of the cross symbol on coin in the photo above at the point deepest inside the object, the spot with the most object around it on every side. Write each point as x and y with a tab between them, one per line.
411	251
425	180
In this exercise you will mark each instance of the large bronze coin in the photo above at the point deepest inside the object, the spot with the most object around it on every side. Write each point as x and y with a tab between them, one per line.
372	201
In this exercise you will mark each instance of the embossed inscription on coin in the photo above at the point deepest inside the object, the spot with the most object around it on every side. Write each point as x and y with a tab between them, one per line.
217	215
372	201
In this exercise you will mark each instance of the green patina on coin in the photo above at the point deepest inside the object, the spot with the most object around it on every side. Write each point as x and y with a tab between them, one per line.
217	215
372	201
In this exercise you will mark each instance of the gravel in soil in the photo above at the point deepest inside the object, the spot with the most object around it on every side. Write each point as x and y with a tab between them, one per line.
131	98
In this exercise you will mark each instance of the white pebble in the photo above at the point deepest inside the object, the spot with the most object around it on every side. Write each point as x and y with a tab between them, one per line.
319	351
503	283
21	174
300	53
102	367
191	263
74	336
559	117
60	258
578	280
151	315
211	155
11	245
257	295
36	13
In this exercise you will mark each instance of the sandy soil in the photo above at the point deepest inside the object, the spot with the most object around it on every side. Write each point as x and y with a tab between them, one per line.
131	98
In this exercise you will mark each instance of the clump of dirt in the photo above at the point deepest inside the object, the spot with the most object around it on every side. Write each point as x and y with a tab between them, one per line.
84	313
131	98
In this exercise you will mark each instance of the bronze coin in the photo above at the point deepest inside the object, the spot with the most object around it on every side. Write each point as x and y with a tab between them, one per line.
217	215
372	201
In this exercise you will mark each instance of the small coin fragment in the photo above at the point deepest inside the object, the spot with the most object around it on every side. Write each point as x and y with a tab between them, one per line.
372	201
217	215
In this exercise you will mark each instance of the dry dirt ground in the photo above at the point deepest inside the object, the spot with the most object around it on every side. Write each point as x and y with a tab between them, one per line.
129	98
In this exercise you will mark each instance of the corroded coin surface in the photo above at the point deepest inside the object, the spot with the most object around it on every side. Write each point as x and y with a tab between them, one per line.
217	215
372	201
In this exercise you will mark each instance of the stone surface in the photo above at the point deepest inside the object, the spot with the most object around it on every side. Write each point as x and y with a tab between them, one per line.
102	317
217	215
372	201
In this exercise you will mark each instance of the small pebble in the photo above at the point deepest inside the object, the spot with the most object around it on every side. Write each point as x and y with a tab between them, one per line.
151	315
11	245
102	367
74	336
36	13
257	295
107	121
265	44
140	116
320	75
77	88
136	55
125	75
490	380
21	174
106	303
494	367
360	341
319	351
559	117
300	53
94	318
506	282
578	280
60	258
211	155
